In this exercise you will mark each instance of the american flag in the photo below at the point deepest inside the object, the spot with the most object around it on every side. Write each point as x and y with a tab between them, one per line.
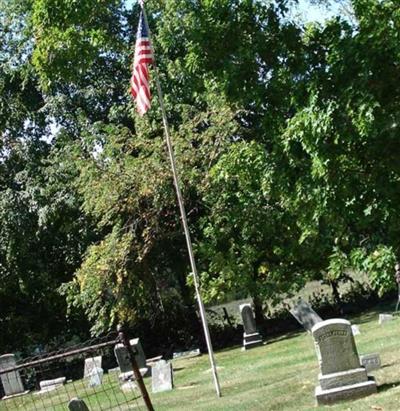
140	88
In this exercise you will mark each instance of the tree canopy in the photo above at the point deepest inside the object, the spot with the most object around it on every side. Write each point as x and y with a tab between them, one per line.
286	138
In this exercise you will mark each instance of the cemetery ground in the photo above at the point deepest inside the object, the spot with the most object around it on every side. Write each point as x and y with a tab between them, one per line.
280	375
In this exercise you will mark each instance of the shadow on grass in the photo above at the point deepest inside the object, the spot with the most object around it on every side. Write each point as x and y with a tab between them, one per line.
390	364
388	386
383	308
286	336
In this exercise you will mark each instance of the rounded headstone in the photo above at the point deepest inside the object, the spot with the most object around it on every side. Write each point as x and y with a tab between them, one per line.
77	404
335	346
249	323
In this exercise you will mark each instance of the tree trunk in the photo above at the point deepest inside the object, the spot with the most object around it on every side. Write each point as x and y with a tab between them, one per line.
258	310
336	295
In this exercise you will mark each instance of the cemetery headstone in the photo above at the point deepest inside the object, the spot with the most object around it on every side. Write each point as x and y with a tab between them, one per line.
128	386
341	375
384	318
305	315
11	381
162	376
51	385
251	337
370	362
355	330
93	371
95	377
186	354
77	404
122	355
90	364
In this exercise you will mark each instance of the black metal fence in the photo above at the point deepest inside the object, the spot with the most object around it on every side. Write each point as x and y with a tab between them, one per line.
88	371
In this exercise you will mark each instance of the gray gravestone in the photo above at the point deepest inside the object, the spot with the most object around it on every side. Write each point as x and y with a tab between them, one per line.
370	362
91	364
122	355
12	382
355	330
77	405
341	375
162	376
305	315
93	371
51	385
383	318
251	337
186	354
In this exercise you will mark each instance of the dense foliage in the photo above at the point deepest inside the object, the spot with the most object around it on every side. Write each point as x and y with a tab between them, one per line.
286	138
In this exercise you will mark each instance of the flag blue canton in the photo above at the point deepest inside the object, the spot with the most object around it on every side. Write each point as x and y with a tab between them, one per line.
142	29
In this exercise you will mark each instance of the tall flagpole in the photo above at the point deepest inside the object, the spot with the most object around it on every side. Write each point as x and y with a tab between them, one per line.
183	214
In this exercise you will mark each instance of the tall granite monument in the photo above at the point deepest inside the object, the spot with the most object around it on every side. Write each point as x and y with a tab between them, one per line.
251	337
341	375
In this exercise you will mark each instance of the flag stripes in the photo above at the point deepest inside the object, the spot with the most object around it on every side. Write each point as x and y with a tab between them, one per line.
140	88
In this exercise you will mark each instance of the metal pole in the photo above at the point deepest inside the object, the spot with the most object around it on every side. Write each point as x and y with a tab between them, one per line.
138	377
183	216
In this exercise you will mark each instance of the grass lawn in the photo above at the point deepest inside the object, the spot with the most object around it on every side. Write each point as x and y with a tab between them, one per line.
278	376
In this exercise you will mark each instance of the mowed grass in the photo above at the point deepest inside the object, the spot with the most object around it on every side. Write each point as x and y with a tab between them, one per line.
108	396
280	375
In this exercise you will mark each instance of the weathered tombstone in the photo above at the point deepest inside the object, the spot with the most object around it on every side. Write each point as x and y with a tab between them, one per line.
77	404
96	377
90	364
128	386
93	371
341	375
355	330
122	355
251	337
51	385
162	376
12	382
370	362
54	382
124	362
186	354
384	318
305	315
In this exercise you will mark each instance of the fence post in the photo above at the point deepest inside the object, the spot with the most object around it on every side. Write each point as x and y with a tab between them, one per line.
124	339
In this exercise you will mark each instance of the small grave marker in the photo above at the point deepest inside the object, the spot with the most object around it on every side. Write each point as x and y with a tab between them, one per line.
77	404
162	376
383	318
371	362
51	385
186	354
93	371
90	364
251	337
